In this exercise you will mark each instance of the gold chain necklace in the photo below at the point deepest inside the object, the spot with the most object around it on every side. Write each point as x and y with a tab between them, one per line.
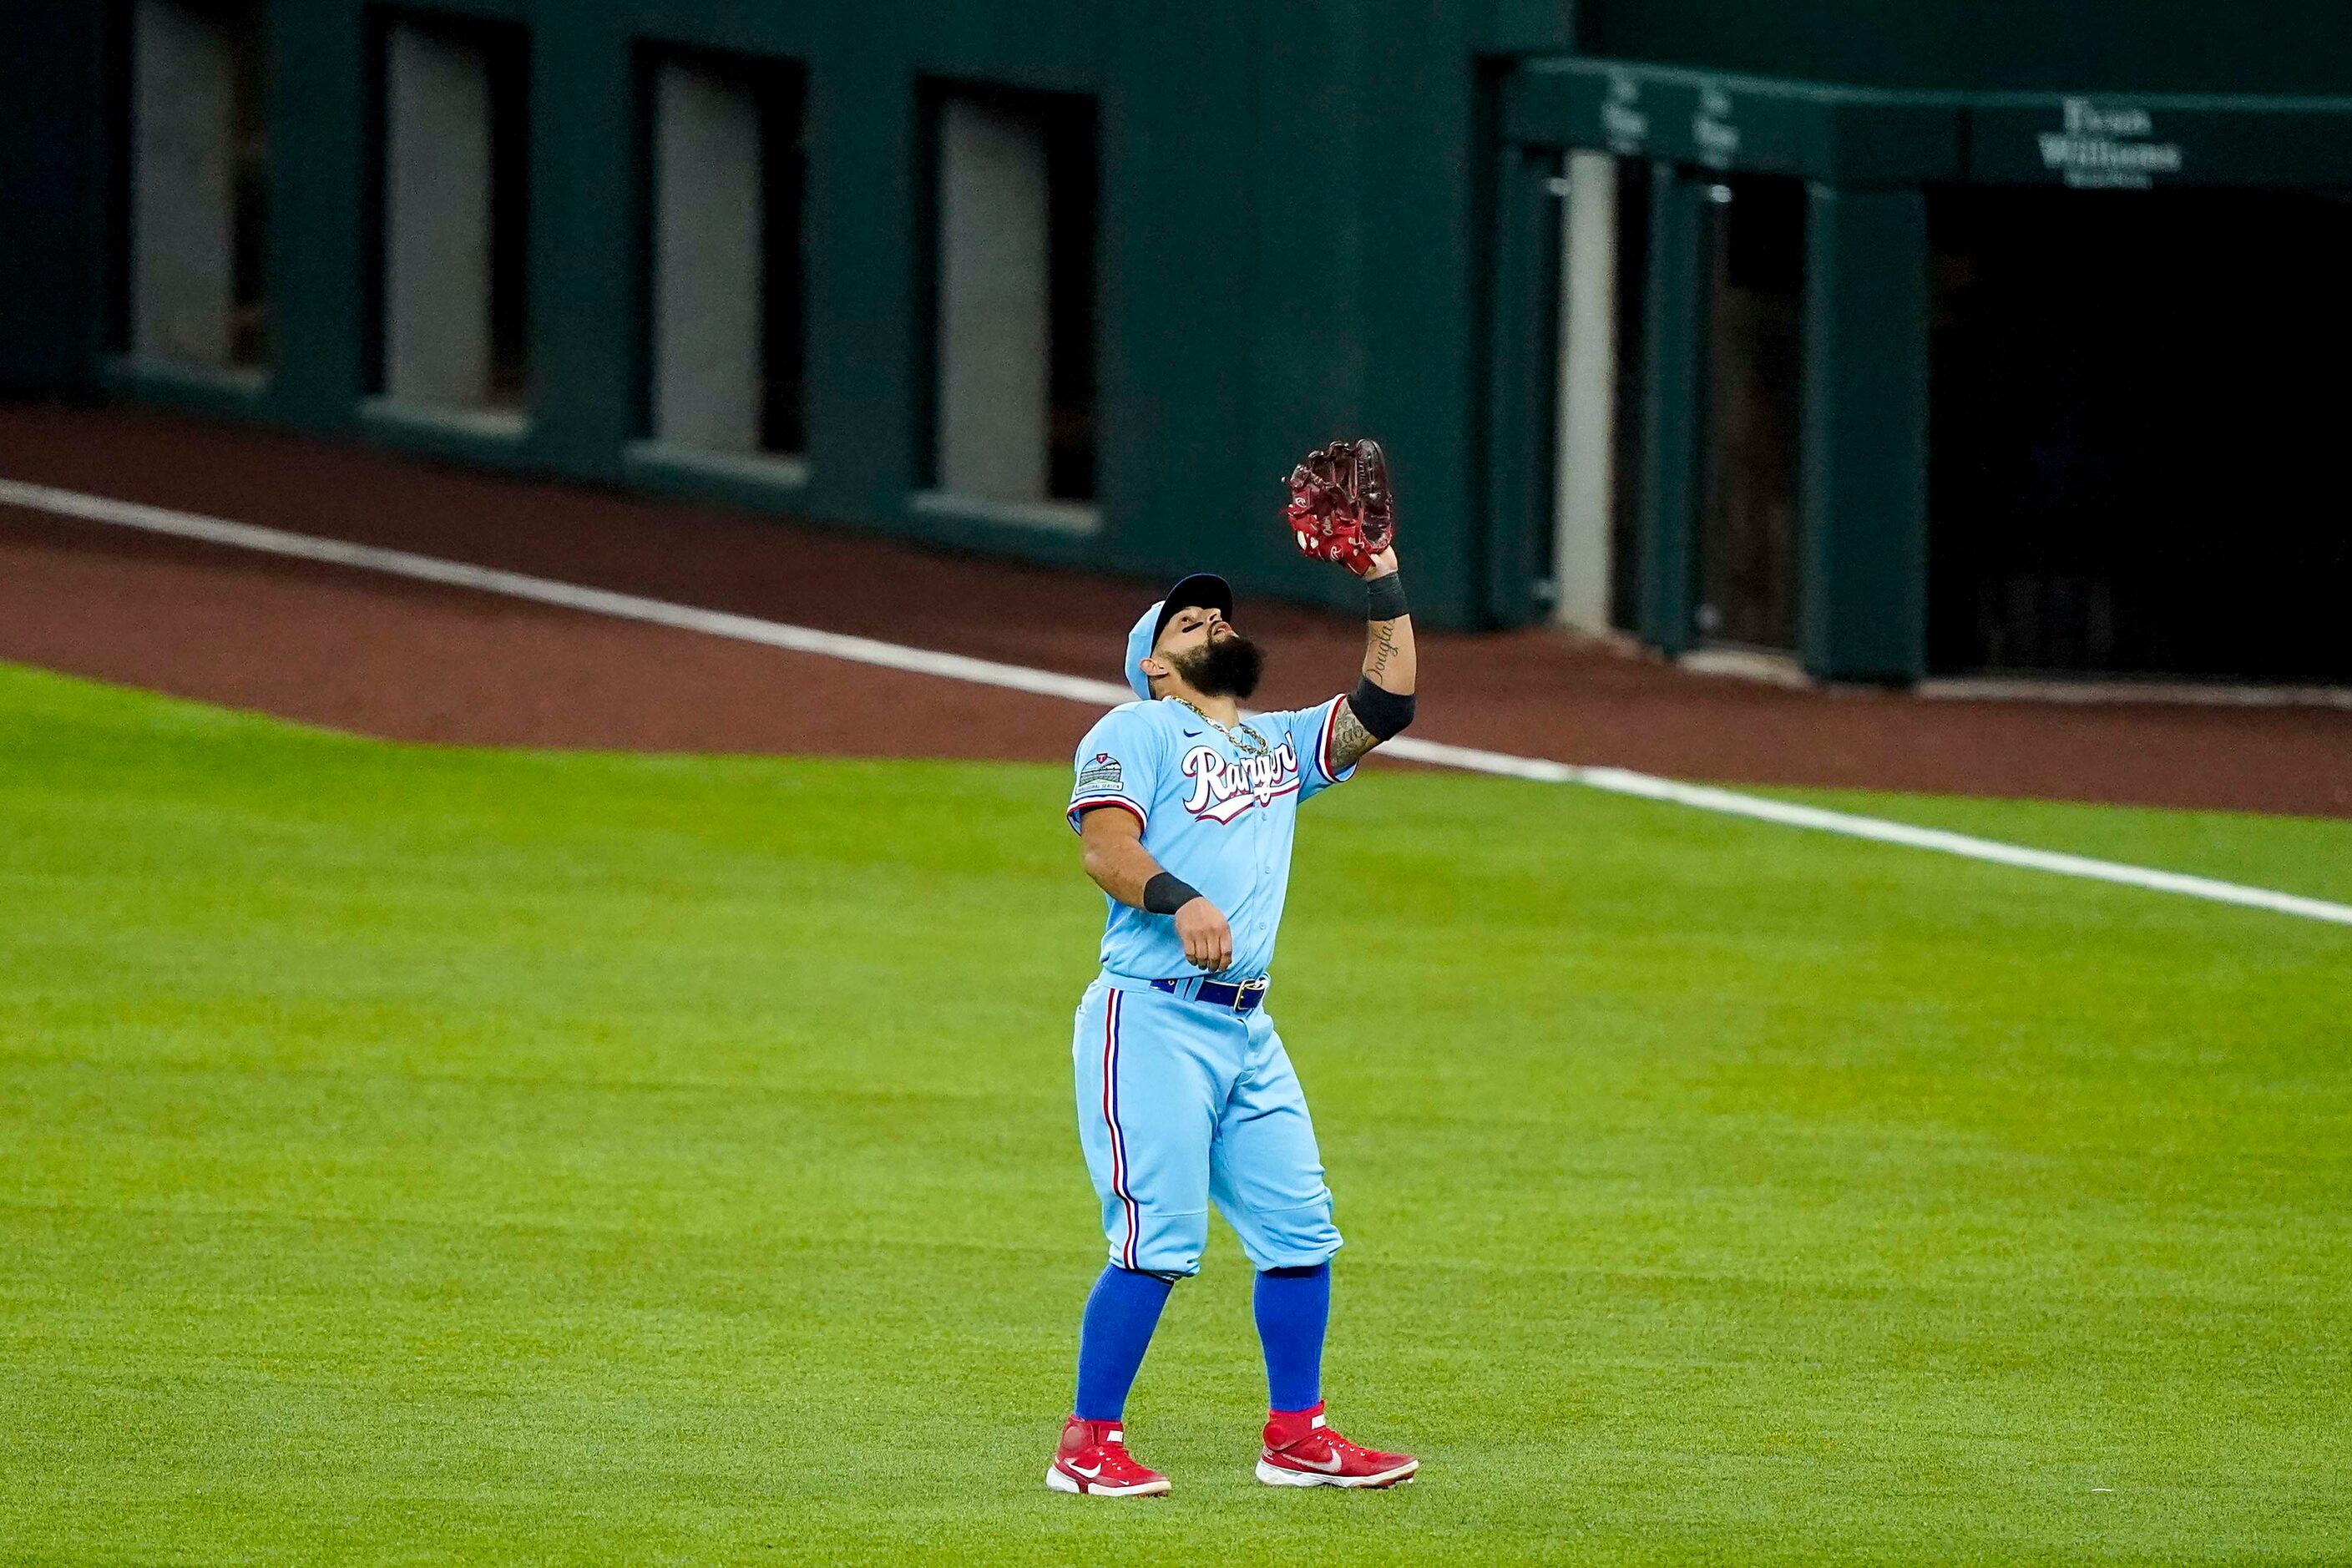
1255	746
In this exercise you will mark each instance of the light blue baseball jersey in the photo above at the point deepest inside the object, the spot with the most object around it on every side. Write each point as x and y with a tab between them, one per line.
1213	816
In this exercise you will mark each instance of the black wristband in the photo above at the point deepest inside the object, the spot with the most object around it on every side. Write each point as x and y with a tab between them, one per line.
1381	711
1166	893
1384	599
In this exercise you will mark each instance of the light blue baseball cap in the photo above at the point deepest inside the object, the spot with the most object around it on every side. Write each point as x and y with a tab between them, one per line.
1202	590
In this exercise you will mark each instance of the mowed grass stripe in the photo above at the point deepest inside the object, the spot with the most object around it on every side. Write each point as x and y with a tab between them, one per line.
428	1155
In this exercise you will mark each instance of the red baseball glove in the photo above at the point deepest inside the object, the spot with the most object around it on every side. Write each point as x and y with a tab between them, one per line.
1340	506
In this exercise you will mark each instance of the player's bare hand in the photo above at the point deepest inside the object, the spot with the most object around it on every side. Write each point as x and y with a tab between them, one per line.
1208	940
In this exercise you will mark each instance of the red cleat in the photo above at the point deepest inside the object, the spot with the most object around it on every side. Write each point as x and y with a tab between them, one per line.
1301	1451
1092	1460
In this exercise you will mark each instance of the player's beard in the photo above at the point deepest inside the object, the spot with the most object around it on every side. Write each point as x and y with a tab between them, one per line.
1225	667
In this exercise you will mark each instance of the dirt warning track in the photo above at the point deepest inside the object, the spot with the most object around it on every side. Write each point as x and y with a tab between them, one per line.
360	651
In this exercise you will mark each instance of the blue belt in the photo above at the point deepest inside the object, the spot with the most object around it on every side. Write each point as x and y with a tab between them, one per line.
1242	998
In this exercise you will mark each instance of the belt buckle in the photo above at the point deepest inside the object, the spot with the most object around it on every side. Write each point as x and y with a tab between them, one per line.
1250	991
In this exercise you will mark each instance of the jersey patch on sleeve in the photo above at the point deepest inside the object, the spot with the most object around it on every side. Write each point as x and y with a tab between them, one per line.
1102	772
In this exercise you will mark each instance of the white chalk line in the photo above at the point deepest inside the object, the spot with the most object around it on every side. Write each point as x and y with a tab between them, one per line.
1077	688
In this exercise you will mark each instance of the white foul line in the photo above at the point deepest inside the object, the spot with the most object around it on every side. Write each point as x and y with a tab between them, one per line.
1077	688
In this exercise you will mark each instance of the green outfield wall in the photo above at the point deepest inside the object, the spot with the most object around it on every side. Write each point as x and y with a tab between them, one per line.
1312	219
1289	252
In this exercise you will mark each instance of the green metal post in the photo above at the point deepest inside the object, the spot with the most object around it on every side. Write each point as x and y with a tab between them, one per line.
1864	443
1519	436
1676	311
320	217
863	232
585	223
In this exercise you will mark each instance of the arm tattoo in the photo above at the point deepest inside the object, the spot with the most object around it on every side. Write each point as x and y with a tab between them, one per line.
1349	739
1380	645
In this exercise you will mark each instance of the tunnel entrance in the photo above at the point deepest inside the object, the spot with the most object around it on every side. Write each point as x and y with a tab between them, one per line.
2137	408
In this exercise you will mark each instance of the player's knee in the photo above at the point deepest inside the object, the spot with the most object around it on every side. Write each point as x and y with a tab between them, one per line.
1301	1237
1304	1256
1170	1245
1167	1262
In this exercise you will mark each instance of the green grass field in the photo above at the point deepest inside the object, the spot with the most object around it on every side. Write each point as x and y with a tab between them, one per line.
415	1155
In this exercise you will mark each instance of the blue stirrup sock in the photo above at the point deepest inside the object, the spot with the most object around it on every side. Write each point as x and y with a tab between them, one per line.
1293	1306
1121	1311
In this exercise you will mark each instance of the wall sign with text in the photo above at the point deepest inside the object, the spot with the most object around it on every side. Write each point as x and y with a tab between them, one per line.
2149	143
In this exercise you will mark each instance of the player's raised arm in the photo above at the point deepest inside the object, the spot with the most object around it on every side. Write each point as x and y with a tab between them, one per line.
1342	508
1121	867
1381	704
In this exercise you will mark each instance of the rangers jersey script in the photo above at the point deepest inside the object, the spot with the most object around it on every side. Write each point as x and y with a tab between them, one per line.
1218	811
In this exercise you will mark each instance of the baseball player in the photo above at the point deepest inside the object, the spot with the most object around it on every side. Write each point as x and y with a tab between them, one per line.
1185	1095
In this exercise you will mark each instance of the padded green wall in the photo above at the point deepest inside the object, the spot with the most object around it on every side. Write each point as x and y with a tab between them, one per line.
1290	253
1301	240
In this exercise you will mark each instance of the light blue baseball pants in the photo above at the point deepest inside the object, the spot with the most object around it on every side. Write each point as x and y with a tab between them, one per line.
1182	1104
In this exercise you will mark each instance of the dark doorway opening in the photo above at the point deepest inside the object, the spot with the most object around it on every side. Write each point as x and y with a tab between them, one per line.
2138	413
783	297
1633	378
1753	259
507	52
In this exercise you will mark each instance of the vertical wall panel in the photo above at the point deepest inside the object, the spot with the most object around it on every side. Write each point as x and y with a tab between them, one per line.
1309	335
1181	463
1421	147
436	245
993	318
1676	331
182	183
1522	331
585	240
707	274
865	399
322	211
1865	436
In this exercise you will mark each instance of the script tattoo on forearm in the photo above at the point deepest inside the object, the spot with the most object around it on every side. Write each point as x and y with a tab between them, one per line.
1379	647
1349	739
